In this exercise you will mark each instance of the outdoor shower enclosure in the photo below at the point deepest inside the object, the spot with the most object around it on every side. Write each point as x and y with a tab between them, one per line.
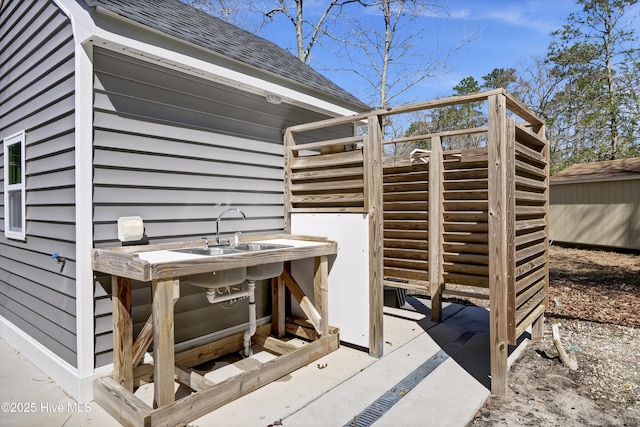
464	222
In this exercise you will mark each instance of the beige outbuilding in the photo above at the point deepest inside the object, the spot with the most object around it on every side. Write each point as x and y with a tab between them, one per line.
597	204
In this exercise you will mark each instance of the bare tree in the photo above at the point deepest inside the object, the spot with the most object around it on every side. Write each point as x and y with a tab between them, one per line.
388	50
241	13
538	87
307	33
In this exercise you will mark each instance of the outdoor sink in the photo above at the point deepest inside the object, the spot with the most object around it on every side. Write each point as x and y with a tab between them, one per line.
211	251
235	249
234	276
217	279
265	271
257	246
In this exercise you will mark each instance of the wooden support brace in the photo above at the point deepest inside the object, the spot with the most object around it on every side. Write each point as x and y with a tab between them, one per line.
121	404
199	404
193	380
122	332
206	352
274	344
144	340
305	303
309	334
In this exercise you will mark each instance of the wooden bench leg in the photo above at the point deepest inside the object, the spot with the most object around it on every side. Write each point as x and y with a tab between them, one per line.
321	291
122	332
163	338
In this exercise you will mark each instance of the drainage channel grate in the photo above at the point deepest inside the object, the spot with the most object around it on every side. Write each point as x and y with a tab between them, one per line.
378	408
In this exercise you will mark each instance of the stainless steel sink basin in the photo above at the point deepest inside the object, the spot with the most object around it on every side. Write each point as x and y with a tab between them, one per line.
211	251
265	271
233	276
217	279
226	249
257	246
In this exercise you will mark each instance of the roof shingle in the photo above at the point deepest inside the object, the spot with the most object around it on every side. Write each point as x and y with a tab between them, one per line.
184	22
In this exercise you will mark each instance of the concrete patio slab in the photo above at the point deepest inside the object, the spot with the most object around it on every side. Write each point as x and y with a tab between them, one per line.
341	389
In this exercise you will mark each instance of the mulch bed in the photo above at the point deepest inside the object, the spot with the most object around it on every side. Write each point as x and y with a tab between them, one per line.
594	285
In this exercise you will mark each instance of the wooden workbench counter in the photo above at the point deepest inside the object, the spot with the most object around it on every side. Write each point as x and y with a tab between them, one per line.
152	262
162	266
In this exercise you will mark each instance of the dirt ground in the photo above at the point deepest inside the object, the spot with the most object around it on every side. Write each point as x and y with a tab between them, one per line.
595	299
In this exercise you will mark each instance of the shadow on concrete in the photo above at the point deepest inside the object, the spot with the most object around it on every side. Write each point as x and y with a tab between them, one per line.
457	319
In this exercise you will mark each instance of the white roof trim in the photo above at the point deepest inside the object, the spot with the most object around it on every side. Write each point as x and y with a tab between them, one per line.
196	67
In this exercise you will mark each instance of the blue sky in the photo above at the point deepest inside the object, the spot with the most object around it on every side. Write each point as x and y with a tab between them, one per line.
507	32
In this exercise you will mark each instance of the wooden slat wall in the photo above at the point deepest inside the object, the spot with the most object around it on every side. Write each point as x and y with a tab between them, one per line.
436	223
531	261
465	239
406	230
323	177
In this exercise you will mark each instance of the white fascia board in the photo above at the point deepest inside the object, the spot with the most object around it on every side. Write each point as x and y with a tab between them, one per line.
83	29
81	21
203	69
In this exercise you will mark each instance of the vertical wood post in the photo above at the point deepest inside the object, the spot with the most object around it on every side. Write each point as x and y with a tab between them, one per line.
321	290
373	205
163	338
537	330
278	314
122	332
289	141
510	224
436	188
501	241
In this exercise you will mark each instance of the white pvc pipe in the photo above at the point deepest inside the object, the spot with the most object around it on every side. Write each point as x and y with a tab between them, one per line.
252	318
214	299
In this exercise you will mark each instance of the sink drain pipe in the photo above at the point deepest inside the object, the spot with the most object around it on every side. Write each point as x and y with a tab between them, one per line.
213	298
251	285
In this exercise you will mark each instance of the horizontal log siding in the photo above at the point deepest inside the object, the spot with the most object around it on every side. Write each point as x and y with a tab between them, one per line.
532	195
177	151
405	220
37	96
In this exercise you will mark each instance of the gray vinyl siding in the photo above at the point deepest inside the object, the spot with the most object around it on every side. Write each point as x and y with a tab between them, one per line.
603	213
177	150
36	95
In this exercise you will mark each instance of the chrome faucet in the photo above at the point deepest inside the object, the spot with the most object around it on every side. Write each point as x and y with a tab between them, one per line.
218	221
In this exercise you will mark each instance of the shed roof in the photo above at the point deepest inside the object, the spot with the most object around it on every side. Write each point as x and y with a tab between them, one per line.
609	170
195	26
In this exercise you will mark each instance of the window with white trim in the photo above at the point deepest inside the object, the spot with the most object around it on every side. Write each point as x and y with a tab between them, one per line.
14	186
